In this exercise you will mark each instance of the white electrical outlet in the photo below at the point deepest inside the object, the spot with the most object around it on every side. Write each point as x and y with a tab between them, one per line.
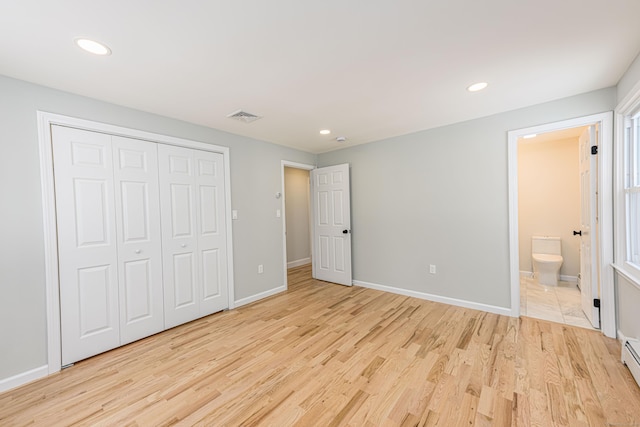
234	214
260	269
432	269
278	213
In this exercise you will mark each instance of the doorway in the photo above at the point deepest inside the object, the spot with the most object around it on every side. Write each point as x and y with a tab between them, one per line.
549	210
296	224
603	252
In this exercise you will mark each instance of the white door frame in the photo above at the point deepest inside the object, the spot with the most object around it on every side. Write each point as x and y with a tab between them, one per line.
295	165
605	211
45	121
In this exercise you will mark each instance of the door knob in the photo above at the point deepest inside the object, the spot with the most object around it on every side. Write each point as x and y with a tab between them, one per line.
138	251
577	233
345	231
184	245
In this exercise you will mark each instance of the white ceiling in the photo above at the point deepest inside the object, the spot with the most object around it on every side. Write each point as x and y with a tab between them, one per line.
367	70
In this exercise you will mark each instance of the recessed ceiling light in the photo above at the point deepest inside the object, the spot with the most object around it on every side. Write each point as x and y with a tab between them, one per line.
477	86
532	135
93	46
325	132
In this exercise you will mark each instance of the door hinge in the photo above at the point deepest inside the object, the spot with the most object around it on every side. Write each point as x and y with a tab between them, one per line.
596	302
594	149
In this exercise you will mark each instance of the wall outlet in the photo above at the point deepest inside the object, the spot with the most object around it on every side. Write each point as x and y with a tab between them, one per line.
432	269
260	269
278	213
234	214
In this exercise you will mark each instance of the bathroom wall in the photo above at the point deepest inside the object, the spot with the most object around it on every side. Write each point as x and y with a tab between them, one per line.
296	187
549	198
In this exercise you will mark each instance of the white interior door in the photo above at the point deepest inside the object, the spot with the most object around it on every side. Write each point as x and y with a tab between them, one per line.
589	284
135	170
179	239
192	199
331	202
211	231
86	242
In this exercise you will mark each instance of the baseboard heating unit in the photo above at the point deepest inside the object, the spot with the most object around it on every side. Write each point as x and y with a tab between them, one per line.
631	357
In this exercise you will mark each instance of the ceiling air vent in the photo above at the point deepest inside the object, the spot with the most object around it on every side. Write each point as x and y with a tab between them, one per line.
243	116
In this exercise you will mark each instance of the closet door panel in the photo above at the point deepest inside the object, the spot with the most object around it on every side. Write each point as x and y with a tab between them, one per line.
212	241
179	241
139	238
87	246
184	271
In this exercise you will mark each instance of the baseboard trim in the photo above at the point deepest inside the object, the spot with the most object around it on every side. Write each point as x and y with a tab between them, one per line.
299	262
261	295
621	337
23	378
436	298
570	279
563	277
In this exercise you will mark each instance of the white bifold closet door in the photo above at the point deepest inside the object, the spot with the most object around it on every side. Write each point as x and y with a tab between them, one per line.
192	201
109	250
137	206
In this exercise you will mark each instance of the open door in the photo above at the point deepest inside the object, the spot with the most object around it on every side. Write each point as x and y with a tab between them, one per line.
589	284
331	204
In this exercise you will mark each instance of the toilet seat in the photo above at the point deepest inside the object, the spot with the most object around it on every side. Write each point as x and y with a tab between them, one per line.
547	258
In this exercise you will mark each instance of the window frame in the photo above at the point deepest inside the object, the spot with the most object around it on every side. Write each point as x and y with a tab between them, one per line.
627	180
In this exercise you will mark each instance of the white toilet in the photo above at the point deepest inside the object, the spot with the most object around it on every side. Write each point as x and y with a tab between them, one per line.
546	253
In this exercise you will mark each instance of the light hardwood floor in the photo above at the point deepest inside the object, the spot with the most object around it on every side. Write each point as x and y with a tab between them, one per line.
323	355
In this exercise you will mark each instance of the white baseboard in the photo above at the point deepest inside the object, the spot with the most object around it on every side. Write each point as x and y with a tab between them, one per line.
261	295
621	337
23	378
299	262
570	279
563	277
436	298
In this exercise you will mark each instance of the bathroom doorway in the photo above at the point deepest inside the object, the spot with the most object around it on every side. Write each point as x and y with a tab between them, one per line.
602	253
549	210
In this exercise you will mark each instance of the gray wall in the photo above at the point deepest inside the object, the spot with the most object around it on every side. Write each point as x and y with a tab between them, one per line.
440	197
629	79
255	178
296	184
628	303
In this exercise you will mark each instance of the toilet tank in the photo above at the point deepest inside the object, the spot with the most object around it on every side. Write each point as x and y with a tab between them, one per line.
546	245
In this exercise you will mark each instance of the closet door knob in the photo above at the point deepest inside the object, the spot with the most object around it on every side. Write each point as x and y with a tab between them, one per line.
138	251
577	233
184	245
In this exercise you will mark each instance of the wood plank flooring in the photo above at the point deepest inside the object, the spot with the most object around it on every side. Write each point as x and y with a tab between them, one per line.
327	355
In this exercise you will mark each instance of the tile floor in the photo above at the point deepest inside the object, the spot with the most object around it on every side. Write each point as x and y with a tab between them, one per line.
559	304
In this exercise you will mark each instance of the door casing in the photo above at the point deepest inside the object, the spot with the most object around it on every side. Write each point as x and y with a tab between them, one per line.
605	210
45	121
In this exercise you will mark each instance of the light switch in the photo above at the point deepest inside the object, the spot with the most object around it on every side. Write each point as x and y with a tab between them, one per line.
278	213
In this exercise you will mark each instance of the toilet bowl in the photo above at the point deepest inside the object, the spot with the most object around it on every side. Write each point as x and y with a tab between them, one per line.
547	259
